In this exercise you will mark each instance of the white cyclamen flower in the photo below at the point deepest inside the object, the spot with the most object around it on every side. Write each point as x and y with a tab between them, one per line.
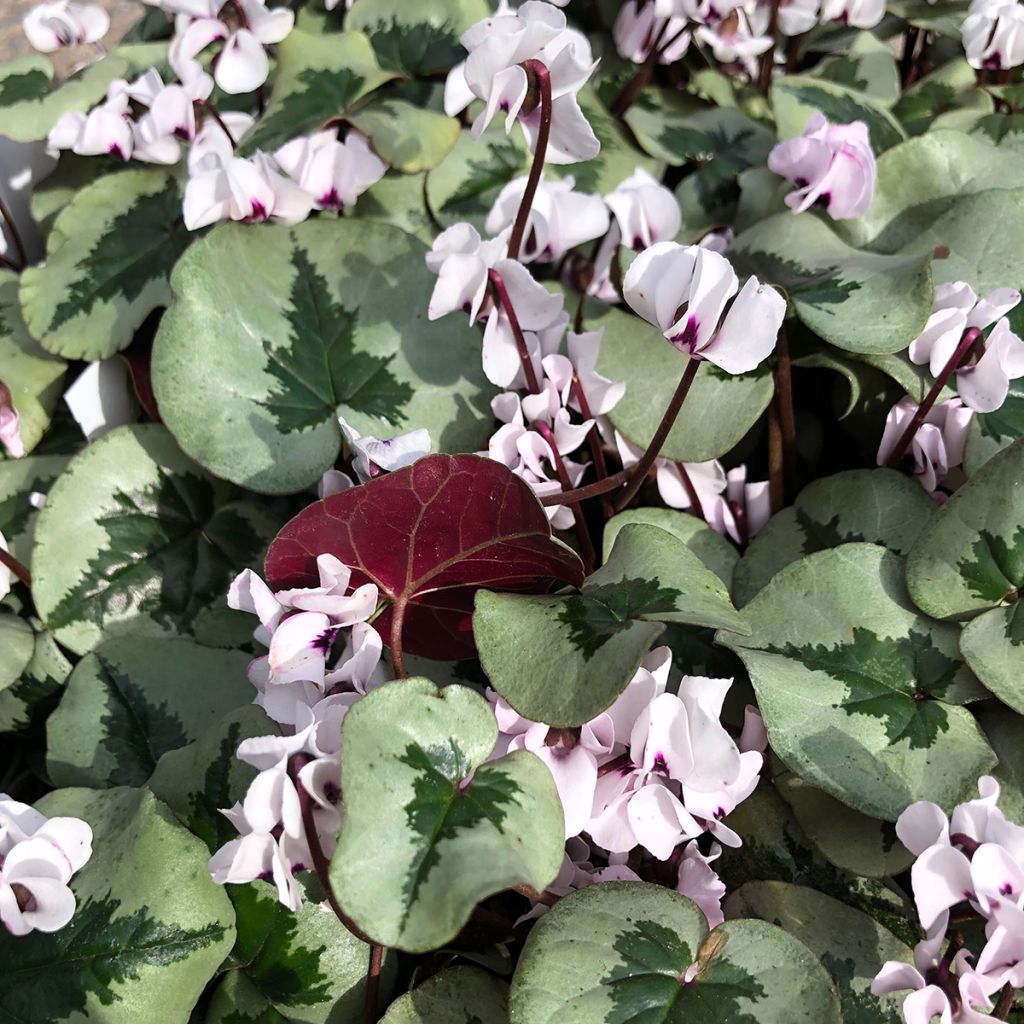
334	173
50	26
993	34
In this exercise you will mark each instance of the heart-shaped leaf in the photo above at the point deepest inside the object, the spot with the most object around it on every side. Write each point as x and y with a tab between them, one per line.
150	930
135	538
631	951
796	97
1006	734
456	994
416	39
717	553
850	840
108	262
132	700
429	536
32	671
856	300
19	480
29	108
563	660
857	689
304	967
33	376
275	331
319	77
636	353
969	561
879	506
850	945
409	138
429	829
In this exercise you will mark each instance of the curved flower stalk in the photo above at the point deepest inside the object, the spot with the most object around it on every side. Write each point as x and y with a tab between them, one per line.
831	164
493	72
51	26
993	35
937	445
983	375
38	857
974	857
323	655
639	31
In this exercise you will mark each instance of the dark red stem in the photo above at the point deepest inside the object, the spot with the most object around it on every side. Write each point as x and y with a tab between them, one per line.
787	417
397	624
764	71
19	570
594	490
539	78
1005	1004
643	467
15	236
644	73
215	114
582	533
691	491
517	332
594	437
969	337
549	899
373	984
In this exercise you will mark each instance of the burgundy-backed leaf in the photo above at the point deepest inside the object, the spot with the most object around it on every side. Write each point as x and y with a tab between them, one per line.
429	536
138	356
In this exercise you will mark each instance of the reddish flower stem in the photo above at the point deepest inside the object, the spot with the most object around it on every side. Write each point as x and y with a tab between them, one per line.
764	70
582	533
787	418
538	76
517	332
691	491
967	340
593	490
373	984
594	437
643	467
549	899
776	475
1005	1004
19	245
19	570
645	72
215	114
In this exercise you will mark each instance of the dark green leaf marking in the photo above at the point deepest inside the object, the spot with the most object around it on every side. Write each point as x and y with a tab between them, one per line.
443	804
596	615
50	977
320	369
499	162
859	1007
416	49
319	94
174	533
140	245
997	569
894	680
823	287
819	536
842	109
137	732
647	975
205	819
16	509
31	85
270	952
918	108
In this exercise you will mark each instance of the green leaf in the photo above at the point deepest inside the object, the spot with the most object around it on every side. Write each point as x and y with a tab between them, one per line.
134	538
857	689
796	97
200	778
28	687
1006	734
304	967
416	39
620	951
775	848
275	331
850	945
409	138
430	830
850	840
28	106
465	184
562	660
993	431
399	200
35	378
951	86
855	300
921	180
19	480
717	553
132	700
969	559
879	506
108	260
319	77
150	930
868	67
458	995
637	353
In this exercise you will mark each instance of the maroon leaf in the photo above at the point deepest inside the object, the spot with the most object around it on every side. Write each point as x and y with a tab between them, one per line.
429	536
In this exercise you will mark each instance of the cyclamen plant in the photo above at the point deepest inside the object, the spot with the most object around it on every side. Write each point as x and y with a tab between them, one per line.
513	512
